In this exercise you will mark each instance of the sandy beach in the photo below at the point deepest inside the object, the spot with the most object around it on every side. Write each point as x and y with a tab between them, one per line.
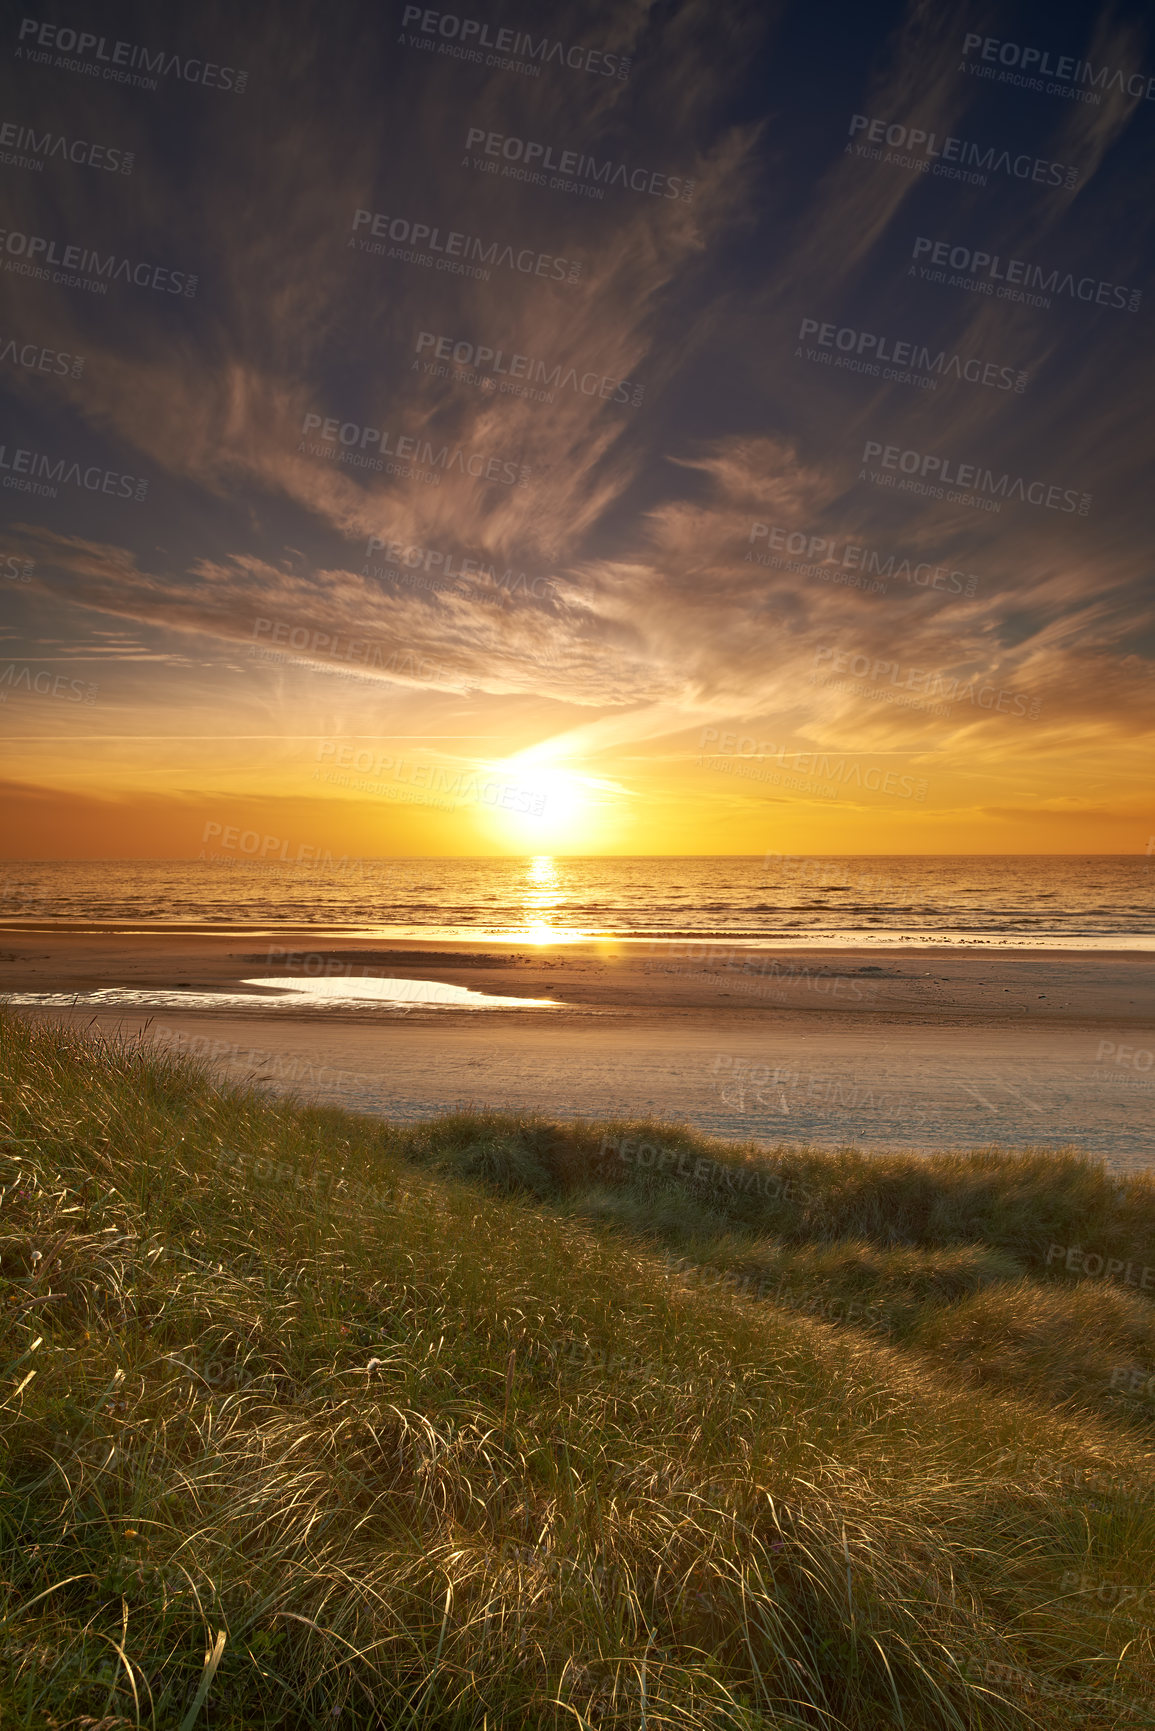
906	1047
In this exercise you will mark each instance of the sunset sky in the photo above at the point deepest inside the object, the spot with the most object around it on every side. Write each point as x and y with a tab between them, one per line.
373	600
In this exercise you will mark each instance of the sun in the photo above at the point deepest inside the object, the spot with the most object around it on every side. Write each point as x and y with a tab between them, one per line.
539	806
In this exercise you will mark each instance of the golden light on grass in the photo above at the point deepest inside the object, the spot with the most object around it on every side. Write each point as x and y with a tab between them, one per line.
578	1476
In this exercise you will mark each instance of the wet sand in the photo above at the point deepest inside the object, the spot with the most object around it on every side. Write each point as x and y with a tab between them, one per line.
913	1047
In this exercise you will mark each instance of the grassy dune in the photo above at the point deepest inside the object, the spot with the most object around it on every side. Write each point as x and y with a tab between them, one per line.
310	1420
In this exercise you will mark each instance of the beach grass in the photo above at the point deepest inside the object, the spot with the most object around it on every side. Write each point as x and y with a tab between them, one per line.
314	1420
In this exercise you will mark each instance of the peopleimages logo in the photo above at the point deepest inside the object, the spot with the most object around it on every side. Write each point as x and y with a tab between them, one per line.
22	465
965	158
574	163
540	380
849	555
473	34
327	646
407	448
944	472
927	682
982	271
463	571
17	139
39	359
236	838
39	253
460	786
457	249
88	47
1035	64
826	768
906	354
45	684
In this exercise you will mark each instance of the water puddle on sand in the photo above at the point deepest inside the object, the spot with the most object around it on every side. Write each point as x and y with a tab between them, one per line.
328	994
368	988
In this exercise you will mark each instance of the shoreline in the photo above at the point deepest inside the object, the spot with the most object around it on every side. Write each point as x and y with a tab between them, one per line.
587	978
927	1049
408	936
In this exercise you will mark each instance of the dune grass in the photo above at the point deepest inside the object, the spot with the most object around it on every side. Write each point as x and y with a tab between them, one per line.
958	1256
311	1420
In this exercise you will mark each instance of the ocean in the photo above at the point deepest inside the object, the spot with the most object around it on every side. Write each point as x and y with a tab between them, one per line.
1027	901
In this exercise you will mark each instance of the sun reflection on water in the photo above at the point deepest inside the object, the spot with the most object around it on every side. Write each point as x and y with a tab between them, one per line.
543	871
541	896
